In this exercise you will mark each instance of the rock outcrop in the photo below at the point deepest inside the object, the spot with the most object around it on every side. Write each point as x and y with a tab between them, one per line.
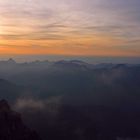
12	126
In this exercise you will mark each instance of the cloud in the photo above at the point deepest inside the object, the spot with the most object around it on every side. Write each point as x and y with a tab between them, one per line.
51	105
22	104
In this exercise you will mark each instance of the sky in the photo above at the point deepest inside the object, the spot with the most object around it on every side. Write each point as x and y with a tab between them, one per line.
70	27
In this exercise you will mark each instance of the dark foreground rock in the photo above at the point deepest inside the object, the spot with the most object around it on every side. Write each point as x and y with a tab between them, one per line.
11	125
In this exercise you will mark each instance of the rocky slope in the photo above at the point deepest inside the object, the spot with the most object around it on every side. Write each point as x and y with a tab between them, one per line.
11	125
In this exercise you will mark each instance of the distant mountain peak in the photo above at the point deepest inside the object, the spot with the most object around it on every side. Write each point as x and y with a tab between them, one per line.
11	61
69	62
7	62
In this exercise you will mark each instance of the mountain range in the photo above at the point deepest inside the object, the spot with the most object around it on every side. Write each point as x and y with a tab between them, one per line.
73	99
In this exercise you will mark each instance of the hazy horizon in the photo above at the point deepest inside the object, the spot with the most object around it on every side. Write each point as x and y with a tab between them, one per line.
88	59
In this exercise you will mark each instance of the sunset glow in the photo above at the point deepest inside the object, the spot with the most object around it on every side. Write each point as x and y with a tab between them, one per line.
69	27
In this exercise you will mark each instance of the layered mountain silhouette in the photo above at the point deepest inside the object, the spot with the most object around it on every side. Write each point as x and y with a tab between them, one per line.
10	61
73	99
11	125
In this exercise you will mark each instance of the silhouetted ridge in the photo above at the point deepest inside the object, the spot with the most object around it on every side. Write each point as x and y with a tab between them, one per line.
11	61
11	125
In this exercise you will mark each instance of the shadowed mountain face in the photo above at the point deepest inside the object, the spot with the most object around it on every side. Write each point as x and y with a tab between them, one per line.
11	125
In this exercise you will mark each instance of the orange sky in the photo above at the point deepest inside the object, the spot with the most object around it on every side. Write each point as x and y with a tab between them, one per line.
69	28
